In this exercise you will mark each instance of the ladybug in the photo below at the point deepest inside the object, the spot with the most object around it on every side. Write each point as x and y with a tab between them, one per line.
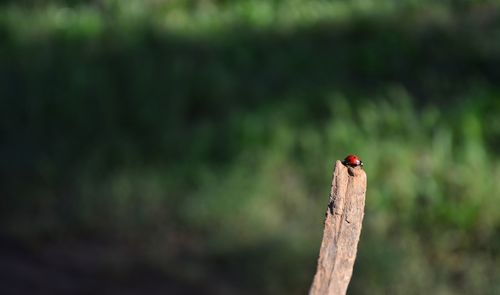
352	161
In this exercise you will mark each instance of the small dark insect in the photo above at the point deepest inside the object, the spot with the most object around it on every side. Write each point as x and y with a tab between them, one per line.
352	161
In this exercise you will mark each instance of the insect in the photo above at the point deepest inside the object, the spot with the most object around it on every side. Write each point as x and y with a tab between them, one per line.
352	161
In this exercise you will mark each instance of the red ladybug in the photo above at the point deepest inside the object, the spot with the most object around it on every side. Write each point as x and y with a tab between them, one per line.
352	161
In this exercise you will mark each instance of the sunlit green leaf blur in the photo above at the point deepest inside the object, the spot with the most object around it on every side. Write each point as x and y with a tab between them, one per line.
190	143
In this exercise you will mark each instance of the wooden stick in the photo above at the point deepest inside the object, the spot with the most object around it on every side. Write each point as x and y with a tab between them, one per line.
344	217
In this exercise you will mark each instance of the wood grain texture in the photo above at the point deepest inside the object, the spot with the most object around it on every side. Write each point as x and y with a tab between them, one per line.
342	229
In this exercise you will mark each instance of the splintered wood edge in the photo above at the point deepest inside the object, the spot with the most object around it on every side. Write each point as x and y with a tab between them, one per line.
342	229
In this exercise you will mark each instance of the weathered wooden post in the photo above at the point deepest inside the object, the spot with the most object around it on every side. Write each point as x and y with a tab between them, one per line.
344	217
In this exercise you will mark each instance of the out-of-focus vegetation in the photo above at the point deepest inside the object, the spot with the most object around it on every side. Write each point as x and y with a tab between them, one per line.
201	135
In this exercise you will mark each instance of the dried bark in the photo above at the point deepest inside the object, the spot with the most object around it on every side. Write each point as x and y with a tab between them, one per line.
344	217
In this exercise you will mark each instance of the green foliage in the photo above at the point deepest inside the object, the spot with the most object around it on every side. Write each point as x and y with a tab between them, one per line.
206	131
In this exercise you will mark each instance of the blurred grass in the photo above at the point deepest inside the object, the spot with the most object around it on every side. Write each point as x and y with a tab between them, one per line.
204	133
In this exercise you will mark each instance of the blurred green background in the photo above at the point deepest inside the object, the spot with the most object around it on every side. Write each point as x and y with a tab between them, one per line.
182	146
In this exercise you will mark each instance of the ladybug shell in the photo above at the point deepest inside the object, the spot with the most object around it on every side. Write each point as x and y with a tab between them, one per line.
353	161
